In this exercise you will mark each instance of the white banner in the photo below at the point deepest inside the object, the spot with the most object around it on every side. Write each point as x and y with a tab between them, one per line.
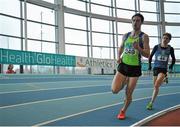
94	62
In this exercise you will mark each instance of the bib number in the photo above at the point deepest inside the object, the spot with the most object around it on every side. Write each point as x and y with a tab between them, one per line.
162	58
130	51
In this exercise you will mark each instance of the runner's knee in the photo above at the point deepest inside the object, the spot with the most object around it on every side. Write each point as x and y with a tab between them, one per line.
156	87
114	91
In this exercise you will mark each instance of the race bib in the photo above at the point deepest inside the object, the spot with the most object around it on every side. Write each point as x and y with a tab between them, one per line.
162	58
130	51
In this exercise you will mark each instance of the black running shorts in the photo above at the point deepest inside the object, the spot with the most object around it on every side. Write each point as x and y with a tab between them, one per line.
129	71
156	71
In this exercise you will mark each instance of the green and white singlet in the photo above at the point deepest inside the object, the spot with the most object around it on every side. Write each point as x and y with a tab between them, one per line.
131	56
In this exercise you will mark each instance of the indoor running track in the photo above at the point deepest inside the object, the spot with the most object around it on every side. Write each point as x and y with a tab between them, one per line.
77	100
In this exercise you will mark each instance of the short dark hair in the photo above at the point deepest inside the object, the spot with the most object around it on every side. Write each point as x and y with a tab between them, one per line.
9	66
139	15
168	34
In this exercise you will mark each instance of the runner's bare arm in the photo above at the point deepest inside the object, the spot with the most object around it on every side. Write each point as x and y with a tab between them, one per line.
145	51
121	48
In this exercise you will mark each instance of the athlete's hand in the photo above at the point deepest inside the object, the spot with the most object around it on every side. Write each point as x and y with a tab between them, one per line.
136	45
119	60
170	67
149	68
170	71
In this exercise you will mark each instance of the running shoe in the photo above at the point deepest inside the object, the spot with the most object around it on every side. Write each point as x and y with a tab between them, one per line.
166	80
121	115
149	106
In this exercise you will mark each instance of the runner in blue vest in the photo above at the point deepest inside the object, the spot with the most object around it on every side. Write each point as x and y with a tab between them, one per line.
162	52
134	45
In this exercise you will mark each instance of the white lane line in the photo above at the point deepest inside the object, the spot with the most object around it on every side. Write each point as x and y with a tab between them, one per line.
64	78
39	89
72	115
70	87
56	88
40	83
45	77
64	98
151	117
98	108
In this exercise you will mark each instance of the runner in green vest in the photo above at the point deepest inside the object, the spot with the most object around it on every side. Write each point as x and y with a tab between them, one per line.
134	45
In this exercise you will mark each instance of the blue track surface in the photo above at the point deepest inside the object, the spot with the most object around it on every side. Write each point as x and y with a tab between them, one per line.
107	116
76	100
24	97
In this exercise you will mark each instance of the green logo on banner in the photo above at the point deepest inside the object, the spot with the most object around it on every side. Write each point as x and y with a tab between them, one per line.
35	58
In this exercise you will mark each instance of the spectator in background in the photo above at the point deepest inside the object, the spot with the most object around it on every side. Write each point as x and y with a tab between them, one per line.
10	69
